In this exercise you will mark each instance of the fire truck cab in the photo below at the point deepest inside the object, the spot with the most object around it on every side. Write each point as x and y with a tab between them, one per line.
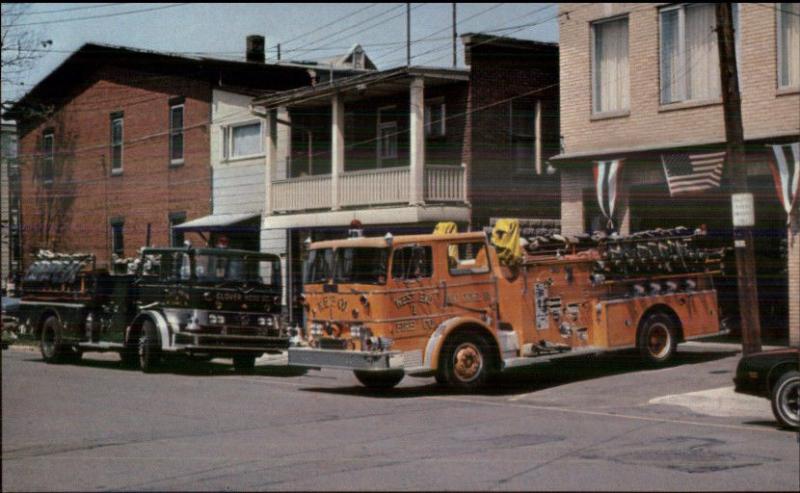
453	307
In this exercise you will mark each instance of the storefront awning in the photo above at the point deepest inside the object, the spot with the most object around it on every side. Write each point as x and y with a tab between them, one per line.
219	222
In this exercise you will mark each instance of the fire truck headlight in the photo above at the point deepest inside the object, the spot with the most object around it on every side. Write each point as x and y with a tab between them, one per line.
316	330
265	321
355	331
215	319
192	323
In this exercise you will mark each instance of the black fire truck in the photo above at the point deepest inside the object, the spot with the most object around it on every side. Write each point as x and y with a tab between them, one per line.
200	302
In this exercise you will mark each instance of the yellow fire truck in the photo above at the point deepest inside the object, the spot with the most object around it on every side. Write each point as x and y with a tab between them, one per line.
463	306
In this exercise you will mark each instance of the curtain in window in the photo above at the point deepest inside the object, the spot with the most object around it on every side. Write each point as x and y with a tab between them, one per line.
702	55
247	140
670	62
789	38
611	66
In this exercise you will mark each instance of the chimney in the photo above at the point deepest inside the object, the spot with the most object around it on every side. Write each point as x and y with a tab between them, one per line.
255	48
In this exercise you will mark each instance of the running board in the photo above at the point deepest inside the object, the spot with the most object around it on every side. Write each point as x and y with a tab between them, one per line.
532	360
102	346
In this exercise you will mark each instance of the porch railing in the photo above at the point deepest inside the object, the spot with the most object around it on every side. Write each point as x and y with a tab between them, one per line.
305	192
368	187
374	187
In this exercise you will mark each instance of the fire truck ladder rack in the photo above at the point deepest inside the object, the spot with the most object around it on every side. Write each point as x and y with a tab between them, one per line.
645	255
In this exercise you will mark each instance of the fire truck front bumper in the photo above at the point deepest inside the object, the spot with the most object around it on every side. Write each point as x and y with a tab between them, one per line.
347	359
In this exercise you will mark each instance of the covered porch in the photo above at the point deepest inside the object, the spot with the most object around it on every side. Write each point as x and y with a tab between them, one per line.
391	139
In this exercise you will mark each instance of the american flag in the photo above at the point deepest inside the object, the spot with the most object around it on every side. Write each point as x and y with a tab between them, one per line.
687	172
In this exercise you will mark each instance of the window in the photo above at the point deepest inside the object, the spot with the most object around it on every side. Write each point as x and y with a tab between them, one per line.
360	265
117	237
523	134
610	78
116	143
689	53
387	140
176	236
412	262
176	134
243	141
48	156
435	118
467	258
789	45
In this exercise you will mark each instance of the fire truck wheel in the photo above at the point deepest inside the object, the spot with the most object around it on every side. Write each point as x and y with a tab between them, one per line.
379	380
149	348
657	339
52	349
244	363
467	362
785	399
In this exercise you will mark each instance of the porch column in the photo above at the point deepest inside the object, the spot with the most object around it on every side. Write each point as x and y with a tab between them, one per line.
793	251
270	158
337	148
416	157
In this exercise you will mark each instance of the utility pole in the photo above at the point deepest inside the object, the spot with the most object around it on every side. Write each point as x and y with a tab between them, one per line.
408	34
741	200
455	59
279	51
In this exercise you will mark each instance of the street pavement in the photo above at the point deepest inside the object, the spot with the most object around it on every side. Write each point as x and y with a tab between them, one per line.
603	423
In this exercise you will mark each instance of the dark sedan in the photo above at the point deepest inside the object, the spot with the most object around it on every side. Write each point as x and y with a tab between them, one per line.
774	375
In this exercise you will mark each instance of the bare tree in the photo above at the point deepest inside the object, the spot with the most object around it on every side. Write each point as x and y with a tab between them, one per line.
21	47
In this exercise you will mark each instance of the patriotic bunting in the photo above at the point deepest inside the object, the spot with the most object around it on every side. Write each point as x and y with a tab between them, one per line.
786	173
606	179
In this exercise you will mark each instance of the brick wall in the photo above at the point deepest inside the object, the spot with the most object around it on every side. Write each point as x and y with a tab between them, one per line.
496	188
73	213
766	111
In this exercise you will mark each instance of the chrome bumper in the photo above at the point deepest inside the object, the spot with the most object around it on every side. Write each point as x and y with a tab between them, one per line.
346	360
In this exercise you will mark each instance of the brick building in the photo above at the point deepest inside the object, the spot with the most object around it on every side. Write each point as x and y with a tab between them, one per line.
114	144
641	81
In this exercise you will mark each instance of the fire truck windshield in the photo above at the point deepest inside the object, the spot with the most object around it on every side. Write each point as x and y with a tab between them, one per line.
227	268
361	265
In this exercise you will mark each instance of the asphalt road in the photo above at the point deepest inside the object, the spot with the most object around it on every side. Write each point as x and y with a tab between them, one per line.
590	424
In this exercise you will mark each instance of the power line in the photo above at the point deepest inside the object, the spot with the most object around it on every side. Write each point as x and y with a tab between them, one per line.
321	28
86	7
101	16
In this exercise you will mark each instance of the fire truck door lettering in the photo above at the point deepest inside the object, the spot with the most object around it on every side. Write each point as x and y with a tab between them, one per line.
404	326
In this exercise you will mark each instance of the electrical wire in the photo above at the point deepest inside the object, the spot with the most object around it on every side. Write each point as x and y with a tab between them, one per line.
100	16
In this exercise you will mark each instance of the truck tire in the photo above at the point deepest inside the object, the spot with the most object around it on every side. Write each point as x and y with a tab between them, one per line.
379	379
466	362
244	363
657	339
52	350
149	348
785	399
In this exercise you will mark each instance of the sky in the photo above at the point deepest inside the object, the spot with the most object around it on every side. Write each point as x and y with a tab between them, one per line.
306	31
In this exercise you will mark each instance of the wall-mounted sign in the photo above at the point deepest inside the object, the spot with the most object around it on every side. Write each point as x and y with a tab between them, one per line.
743	211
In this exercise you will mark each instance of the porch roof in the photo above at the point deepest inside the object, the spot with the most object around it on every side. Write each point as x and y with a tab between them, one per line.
215	222
362	86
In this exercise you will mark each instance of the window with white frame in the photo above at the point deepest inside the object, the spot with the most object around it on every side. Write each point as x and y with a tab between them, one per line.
610	72
242	140
435	118
48	156
116	143
689	57
788	45
176	133
387	140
